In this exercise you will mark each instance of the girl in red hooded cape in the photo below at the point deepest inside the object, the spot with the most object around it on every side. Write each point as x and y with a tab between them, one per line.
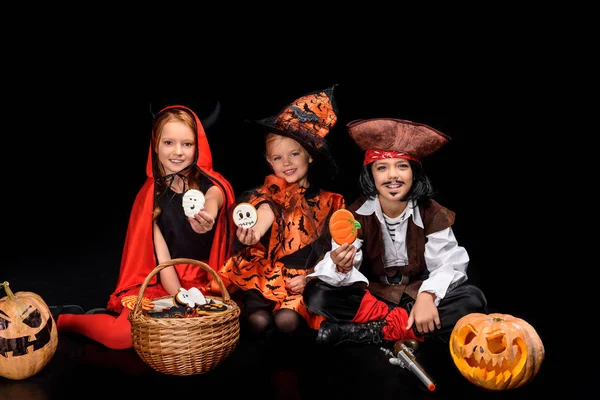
159	229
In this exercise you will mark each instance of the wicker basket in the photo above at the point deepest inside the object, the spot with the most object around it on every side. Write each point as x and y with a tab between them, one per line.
185	346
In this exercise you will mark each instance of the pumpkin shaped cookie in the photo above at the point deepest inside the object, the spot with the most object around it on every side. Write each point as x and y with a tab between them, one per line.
343	227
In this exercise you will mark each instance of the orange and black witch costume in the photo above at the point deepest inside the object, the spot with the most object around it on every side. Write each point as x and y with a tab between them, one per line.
299	235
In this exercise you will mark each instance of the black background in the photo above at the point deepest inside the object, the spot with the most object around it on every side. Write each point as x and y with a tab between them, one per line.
76	162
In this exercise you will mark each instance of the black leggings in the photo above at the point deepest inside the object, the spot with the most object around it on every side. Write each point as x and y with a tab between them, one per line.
259	314
342	303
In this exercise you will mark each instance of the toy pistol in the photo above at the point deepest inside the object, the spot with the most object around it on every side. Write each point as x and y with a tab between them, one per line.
404	357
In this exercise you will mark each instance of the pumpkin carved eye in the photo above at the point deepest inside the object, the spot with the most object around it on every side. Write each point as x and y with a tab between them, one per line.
496	344
4	323
34	319
467	335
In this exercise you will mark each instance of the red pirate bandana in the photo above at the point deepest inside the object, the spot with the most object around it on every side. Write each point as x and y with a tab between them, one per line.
372	155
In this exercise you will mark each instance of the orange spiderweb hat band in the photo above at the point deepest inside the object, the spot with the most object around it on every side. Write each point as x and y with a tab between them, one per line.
372	155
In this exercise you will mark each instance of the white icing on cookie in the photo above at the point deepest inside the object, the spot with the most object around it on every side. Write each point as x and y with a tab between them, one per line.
192	297
244	215
193	201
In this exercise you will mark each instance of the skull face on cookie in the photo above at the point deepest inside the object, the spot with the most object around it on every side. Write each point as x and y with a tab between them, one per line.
193	201
244	215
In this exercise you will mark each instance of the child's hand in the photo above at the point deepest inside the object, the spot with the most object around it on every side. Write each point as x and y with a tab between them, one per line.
201	222
343	257
424	314
247	236
296	284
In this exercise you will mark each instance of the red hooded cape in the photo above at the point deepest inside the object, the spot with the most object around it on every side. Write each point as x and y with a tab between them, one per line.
139	258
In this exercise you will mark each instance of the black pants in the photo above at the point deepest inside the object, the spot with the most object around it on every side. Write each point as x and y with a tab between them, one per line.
342	303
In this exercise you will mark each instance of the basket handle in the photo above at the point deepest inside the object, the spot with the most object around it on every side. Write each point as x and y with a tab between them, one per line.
138	303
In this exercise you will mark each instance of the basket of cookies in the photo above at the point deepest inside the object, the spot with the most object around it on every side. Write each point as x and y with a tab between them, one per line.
193	336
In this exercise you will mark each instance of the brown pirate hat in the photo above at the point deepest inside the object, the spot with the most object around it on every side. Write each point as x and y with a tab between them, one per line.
396	135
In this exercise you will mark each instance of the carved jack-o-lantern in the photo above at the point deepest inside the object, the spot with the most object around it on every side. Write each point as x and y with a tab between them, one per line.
28	335
496	351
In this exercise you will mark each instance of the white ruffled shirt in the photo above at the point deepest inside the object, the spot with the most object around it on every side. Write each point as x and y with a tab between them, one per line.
446	261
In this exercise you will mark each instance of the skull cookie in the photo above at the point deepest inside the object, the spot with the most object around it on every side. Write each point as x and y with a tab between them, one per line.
244	215
193	201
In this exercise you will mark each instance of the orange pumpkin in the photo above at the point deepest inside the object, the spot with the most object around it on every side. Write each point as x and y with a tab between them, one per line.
28	335
496	351
343	227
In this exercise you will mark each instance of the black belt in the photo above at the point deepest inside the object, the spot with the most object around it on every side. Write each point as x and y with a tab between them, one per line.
301	259
396	279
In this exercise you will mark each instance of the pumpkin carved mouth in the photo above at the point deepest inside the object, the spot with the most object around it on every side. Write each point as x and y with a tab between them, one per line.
18	346
481	363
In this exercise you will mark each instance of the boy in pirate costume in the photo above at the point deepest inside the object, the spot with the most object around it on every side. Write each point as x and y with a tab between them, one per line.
405	276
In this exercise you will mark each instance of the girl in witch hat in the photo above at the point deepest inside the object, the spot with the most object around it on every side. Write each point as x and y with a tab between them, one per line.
291	232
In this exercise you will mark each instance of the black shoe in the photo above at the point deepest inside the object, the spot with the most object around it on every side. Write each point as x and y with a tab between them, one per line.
335	333
65	309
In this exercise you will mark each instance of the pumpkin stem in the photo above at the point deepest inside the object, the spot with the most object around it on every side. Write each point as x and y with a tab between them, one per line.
497	319
9	293
356	225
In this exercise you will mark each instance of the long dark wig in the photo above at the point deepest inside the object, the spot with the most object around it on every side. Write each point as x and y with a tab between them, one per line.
421	190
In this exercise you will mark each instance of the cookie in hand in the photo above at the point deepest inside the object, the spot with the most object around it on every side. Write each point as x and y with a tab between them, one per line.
193	201
343	227
244	215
